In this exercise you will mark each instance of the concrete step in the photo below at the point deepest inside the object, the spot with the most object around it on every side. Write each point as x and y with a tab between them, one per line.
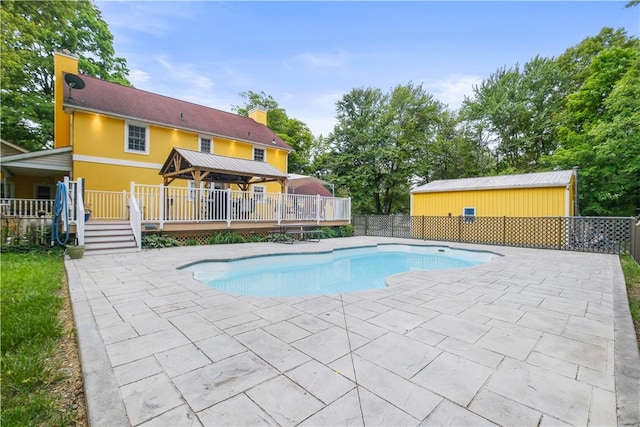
119	226
109	238
115	232
89	252
92	246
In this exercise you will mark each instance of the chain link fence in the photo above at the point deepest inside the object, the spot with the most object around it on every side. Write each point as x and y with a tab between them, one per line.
585	234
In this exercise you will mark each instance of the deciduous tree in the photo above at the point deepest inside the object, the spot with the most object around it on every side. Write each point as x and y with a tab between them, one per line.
294	132
376	145
31	32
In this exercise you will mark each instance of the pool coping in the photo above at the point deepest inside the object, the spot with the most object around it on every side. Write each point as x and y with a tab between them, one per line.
328	251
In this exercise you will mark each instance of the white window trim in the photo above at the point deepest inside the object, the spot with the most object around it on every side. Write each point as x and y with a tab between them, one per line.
264	150
200	138
258	196
146	137
43	184
9	189
192	190
469	219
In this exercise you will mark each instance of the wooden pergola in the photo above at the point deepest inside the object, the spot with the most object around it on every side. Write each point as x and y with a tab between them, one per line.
204	167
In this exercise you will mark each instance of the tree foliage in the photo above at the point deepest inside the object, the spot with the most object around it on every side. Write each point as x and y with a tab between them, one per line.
517	107
293	131
600	132
374	146
574	110
31	32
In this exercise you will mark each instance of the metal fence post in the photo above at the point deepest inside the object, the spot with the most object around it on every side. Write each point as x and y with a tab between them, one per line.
560	232
504	230
635	241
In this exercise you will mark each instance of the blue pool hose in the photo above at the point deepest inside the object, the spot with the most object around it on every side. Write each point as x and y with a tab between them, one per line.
60	208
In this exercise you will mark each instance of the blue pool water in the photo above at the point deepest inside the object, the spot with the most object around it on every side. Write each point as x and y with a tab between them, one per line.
340	271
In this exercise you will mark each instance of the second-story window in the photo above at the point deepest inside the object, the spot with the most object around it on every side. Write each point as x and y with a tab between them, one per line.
258	154
205	145
137	139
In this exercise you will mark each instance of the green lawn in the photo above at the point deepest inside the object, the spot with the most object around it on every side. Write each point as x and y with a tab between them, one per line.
631	271
29	307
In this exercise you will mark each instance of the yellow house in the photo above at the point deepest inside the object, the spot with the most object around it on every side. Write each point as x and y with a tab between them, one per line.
120	134
111	135
175	161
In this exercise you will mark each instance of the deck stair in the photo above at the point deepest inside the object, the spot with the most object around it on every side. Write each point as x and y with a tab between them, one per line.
102	237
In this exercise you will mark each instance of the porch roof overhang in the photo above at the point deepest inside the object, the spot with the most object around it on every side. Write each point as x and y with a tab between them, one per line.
204	167
38	163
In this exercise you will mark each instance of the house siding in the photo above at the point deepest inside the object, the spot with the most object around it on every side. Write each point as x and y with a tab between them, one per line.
99	152
516	202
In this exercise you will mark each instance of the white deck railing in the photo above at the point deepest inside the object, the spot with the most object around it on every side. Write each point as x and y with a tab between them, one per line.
26	208
106	204
162	204
135	221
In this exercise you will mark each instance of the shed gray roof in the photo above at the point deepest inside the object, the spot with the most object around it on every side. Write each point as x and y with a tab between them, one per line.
529	180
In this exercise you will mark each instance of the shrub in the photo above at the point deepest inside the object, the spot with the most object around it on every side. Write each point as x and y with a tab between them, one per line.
27	247
224	238
328	233
256	238
191	242
155	241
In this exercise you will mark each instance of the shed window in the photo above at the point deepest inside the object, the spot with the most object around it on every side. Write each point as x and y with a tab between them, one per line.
469	215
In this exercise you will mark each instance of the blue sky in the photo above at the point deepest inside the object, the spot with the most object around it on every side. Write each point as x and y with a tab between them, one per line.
307	55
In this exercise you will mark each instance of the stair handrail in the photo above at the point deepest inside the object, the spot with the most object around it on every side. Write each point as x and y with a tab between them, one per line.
80	211
135	219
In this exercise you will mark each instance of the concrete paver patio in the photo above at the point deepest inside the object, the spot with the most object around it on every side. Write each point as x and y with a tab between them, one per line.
535	337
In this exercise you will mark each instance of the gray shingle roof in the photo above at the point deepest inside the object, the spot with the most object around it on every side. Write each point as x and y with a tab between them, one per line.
529	180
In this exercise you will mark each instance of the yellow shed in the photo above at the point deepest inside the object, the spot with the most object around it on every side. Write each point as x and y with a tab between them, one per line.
542	194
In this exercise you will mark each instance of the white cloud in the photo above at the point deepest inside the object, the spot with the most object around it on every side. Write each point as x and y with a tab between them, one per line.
183	74
452	89
327	101
318	112
155	18
138	77
322	60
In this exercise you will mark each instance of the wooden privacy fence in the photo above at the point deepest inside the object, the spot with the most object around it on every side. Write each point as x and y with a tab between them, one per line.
585	234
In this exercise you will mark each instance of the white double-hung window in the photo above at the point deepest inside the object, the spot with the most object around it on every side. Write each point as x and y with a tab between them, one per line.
136	138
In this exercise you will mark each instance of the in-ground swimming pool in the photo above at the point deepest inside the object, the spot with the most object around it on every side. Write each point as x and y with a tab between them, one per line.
339	271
